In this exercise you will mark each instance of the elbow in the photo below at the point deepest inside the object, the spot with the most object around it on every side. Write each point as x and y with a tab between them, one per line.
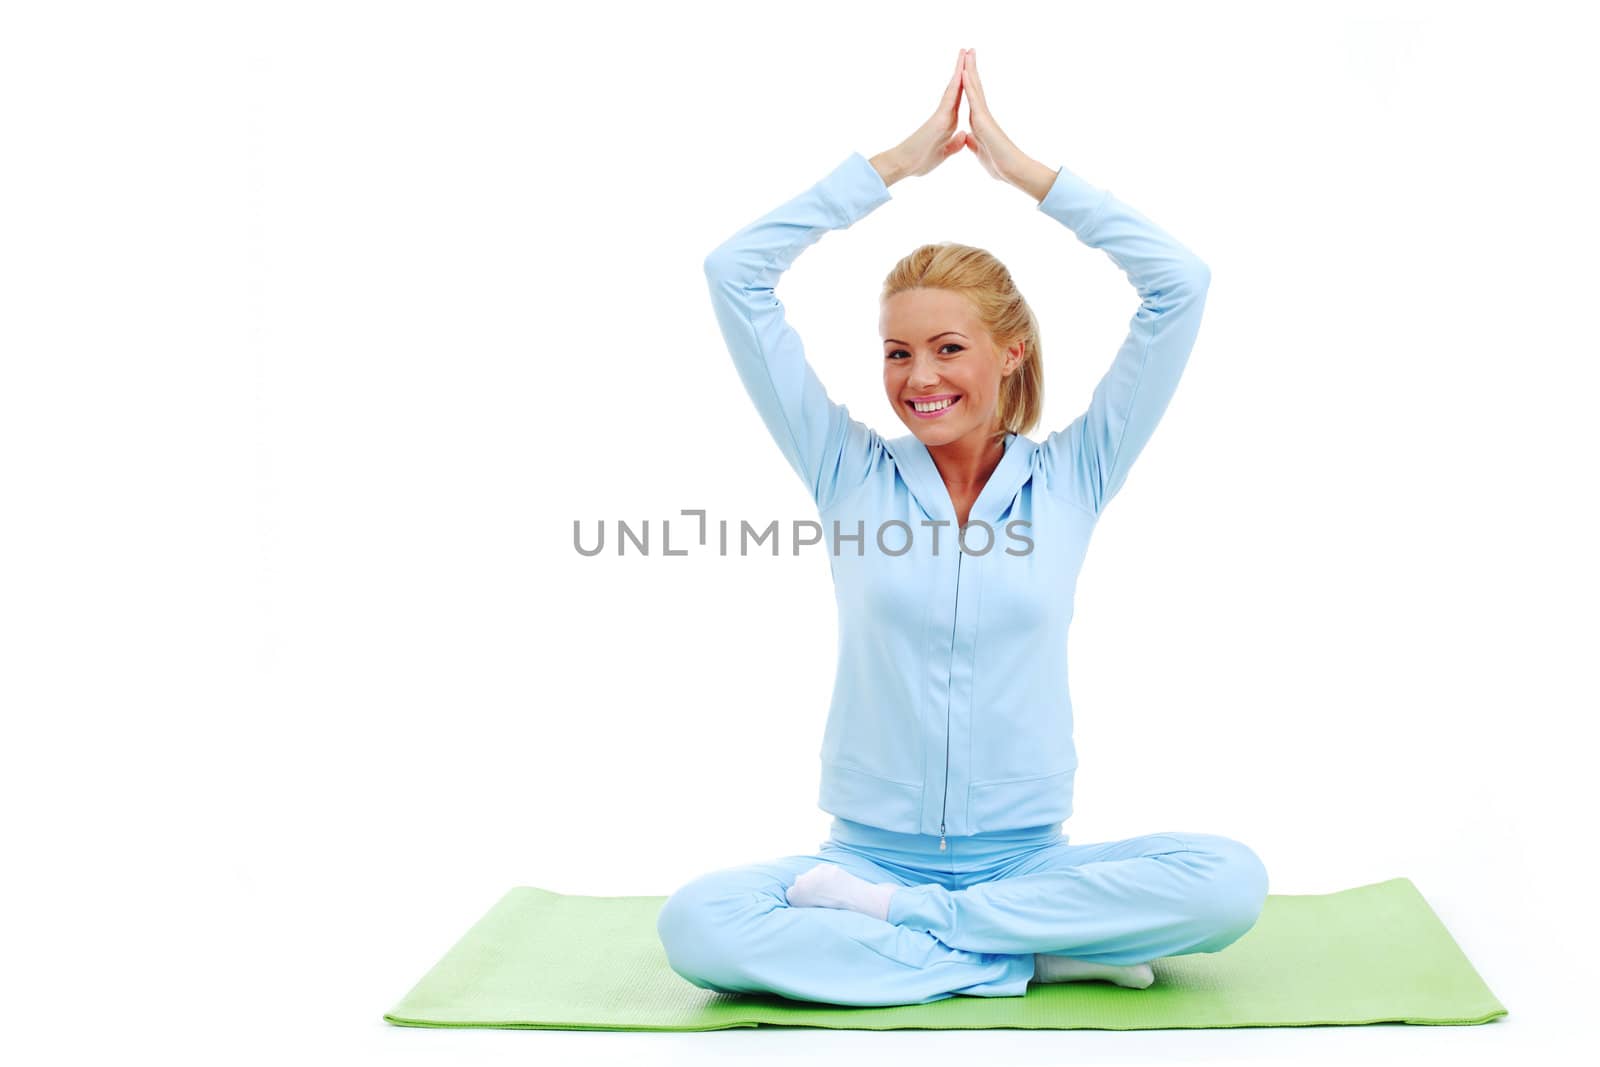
724	277
1183	283
1186	283
728	269
722	272
726	261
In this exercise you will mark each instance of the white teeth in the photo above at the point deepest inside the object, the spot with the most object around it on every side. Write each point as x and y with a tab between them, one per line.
936	405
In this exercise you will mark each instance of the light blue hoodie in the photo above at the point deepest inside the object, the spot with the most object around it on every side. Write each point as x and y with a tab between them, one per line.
950	711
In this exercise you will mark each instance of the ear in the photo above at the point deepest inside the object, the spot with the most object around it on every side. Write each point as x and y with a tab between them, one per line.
1014	356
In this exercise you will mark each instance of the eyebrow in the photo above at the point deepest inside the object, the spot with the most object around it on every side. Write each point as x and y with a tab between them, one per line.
935	337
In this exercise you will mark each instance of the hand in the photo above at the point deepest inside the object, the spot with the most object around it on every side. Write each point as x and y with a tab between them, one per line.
934	141
1001	158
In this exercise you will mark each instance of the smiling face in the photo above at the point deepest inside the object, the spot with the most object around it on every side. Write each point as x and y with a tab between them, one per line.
941	369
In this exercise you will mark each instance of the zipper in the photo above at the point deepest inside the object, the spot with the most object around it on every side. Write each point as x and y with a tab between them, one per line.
949	691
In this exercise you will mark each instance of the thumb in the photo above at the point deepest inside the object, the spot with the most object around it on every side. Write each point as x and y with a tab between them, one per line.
953	145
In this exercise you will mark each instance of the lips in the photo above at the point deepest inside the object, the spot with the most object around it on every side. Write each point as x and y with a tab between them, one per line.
931	407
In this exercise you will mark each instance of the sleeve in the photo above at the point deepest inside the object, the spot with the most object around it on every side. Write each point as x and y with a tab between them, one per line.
1089	459
828	449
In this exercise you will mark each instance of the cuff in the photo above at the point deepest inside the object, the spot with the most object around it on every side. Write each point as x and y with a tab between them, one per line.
854	188
1074	201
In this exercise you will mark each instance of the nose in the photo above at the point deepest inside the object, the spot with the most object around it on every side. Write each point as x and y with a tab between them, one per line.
922	372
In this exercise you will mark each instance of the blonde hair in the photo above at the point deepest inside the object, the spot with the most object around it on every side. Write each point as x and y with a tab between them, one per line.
989	288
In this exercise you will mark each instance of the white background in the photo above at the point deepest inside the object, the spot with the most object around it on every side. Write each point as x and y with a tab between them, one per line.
322	323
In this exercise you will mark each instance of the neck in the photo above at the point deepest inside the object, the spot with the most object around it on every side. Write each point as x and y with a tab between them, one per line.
967	462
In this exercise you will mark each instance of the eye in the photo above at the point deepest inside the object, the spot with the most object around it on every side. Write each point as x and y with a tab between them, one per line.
949	344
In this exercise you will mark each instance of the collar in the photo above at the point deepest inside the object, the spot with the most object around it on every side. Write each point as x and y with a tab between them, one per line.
922	475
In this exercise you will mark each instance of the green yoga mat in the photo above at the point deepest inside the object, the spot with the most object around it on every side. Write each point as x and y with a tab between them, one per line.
1375	953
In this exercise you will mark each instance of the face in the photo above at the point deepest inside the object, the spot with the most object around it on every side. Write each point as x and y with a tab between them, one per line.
935	350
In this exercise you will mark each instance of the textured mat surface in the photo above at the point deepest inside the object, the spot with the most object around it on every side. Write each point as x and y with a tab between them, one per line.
1374	953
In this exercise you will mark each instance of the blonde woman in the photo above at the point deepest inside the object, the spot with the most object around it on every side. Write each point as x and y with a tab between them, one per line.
947	760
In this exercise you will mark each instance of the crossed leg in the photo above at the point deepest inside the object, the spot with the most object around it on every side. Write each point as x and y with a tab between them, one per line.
1116	902
734	931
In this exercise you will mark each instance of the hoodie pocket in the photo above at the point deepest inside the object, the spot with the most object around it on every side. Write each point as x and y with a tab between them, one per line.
1010	803
865	797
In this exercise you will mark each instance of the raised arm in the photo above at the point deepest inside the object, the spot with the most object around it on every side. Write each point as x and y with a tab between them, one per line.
824	445
1089	459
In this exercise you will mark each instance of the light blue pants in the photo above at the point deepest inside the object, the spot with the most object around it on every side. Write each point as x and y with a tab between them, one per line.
968	919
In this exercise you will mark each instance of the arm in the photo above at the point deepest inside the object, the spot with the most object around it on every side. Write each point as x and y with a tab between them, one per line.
1089	459
825	446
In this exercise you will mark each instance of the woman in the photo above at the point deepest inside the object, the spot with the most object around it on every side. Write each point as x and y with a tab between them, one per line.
947	761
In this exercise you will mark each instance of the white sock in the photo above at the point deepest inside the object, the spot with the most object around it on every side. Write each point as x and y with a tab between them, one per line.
1052	968
830	886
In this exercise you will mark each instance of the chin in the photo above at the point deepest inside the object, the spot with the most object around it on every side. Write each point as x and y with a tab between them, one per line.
941	434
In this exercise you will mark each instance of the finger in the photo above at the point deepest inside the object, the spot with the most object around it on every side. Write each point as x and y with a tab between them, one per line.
969	77
974	86
952	91
949	109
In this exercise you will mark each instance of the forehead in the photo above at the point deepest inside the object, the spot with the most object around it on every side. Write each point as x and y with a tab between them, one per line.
917	314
